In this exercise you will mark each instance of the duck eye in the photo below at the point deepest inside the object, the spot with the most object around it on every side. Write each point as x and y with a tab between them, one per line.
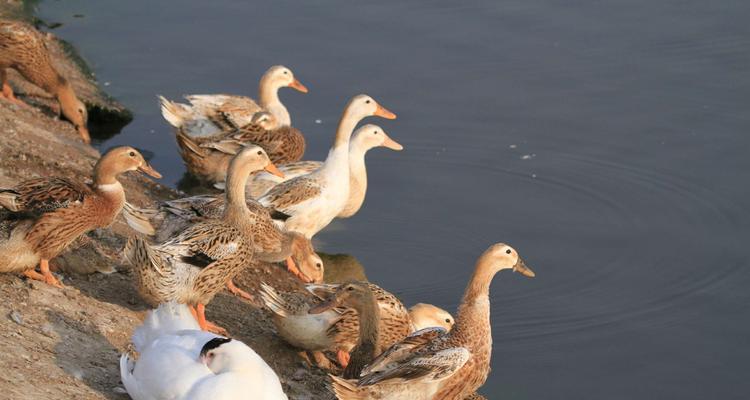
260	152
448	320
285	72
319	265
367	101
350	288
508	251
376	132
132	154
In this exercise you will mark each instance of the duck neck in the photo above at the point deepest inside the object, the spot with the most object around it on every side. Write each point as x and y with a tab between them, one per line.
357	179
236	208
473	321
269	100
368	345
107	185
338	156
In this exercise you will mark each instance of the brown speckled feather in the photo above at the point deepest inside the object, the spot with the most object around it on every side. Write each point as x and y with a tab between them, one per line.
23	48
208	157
290	193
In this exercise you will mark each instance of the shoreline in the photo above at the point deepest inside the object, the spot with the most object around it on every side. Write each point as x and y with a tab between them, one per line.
66	343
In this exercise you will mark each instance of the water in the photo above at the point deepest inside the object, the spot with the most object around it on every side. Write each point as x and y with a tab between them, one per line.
606	141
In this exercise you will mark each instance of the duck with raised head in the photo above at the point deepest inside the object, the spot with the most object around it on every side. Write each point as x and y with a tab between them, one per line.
434	364
364	138
40	217
312	201
272	242
207	157
196	263
179	361
201	115
337	328
22	48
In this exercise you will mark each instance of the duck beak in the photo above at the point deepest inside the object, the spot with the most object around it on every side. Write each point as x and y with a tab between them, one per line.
83	131
521	268
298	86
271	169
383	112
324	306
392	144
148	170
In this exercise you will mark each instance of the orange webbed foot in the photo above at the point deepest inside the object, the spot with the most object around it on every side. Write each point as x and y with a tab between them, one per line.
239	292
343	358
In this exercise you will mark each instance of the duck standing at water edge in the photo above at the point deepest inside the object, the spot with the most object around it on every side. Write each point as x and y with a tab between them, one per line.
237	110
364	138
314	200
198	262
23	48
45	215
337	328
431	364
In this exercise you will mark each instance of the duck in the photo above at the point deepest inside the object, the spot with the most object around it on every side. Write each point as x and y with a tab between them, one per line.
312	201
337	328
39	218
360	297
272	242
364	138
207	157
196	263
435	364
23	48
425	315
209	113
179	361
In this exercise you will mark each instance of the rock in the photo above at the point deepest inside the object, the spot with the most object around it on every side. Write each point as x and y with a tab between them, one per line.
16	317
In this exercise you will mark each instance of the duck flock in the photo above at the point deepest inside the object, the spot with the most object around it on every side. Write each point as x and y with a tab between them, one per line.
184	251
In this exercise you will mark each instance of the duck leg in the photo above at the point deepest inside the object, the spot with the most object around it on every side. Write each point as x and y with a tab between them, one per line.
239	292
8	91
291	266
199	313
343	358
46	276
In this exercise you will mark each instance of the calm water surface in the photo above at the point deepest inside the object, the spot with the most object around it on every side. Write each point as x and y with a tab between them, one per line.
606	141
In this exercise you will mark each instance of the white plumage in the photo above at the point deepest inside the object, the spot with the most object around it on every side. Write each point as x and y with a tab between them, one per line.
171	366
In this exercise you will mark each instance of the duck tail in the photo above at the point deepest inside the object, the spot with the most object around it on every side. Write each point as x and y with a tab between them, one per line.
168	318
273	301
191	151
140	218
175	113
344	389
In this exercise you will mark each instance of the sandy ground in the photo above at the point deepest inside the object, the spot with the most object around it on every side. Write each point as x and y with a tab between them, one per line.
65	344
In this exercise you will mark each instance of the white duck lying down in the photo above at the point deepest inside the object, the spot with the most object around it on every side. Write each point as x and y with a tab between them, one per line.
178	361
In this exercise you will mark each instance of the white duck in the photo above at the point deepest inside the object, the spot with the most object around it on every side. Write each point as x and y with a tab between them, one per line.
314	200
178	361
365	138
200	117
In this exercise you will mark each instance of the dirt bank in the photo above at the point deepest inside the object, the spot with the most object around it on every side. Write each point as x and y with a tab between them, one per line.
65	344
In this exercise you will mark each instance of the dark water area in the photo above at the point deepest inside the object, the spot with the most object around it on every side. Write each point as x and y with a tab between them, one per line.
606	141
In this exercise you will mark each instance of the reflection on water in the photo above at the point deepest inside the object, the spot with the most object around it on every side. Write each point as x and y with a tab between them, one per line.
605	141
342	268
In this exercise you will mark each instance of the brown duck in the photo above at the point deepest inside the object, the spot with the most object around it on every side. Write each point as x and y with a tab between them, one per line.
23	48
196	263
432	364
42	216
207	157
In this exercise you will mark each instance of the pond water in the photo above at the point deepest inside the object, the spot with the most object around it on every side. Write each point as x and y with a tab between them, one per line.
606	141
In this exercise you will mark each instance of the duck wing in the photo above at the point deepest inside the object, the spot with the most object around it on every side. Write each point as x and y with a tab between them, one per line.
43	195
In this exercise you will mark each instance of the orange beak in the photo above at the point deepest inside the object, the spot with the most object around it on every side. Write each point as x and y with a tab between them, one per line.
298	86
383	112
271	169
392	144
149	170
